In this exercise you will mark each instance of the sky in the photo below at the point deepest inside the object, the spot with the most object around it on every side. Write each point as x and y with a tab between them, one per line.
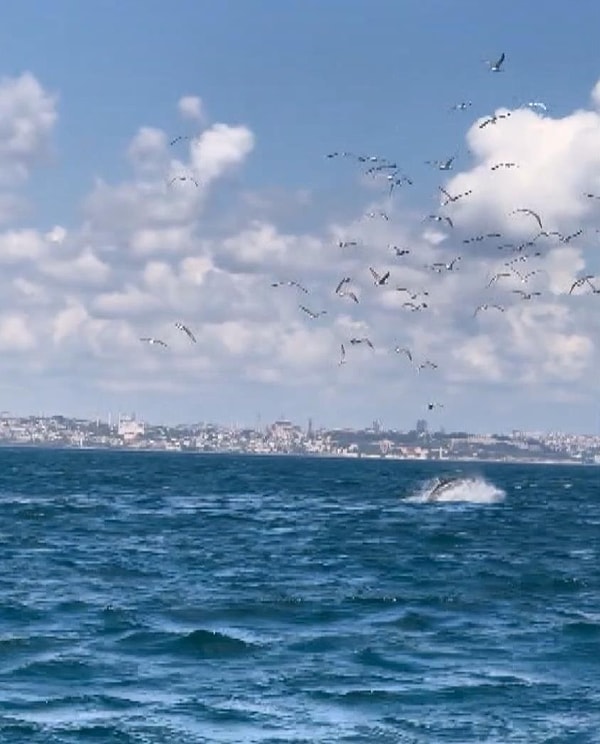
111	233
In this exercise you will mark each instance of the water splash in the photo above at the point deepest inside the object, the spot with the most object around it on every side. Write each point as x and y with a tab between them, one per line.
474	490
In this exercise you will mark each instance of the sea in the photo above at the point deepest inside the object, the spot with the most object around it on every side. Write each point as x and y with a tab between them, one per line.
168	597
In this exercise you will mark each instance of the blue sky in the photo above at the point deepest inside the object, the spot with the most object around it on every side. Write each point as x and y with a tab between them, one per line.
299	79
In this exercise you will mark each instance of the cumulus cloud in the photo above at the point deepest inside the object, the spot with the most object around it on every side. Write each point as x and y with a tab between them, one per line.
150	252
190	107
27	117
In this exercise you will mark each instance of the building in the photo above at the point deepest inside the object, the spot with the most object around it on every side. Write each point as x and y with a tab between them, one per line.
129	428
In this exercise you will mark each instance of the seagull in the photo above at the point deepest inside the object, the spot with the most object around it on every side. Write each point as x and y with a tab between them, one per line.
533	214
450	198
572	236
398	182
444	165
290	283
525	277
363	340
340	286
440	218
462	106
479	238
153	341
498	276
414	308
342	355
403	350
494	119
179	138
400	251
448	266
351	295
379	280
378	214
186	330
496	66
526	295
411	294
378	168
485	306
581	281
536	105
431	406
346	243
504	165
427	364
184	178
311	313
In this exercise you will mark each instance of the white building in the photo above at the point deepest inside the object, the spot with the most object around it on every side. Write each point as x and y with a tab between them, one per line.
129	428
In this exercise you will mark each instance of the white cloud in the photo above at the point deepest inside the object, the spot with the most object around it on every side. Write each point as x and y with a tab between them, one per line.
148	149
191	107
21	245
15	334
149	254
27	117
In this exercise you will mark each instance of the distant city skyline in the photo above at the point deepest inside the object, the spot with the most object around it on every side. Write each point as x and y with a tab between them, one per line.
283	437
199	177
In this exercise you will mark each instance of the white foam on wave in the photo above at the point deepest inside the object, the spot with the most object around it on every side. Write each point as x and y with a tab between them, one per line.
461	490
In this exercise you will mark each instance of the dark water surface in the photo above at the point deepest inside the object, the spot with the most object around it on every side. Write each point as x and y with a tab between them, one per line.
178	598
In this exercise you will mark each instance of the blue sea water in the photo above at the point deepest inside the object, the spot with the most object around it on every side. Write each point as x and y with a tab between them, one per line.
153	597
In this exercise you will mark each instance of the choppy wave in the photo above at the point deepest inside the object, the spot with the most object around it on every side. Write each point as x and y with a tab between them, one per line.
164	598
474	490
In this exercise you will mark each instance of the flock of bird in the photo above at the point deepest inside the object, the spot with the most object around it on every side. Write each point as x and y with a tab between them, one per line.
514	269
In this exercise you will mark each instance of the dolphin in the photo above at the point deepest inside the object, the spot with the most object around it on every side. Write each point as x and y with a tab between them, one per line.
443	484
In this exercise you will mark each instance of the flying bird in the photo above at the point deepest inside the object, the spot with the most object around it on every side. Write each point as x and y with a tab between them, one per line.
462	106
443	165
186	330
440	218
536	105
363	340
450	198
497	276
572	236
448	266
184	178
581	281
504	165
312	314
349	294
290	283
485	306
525	277
404	350
493	119
431	406
497	65
342	355
153	341
341	283
526	295
379	280
530	212
380	213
